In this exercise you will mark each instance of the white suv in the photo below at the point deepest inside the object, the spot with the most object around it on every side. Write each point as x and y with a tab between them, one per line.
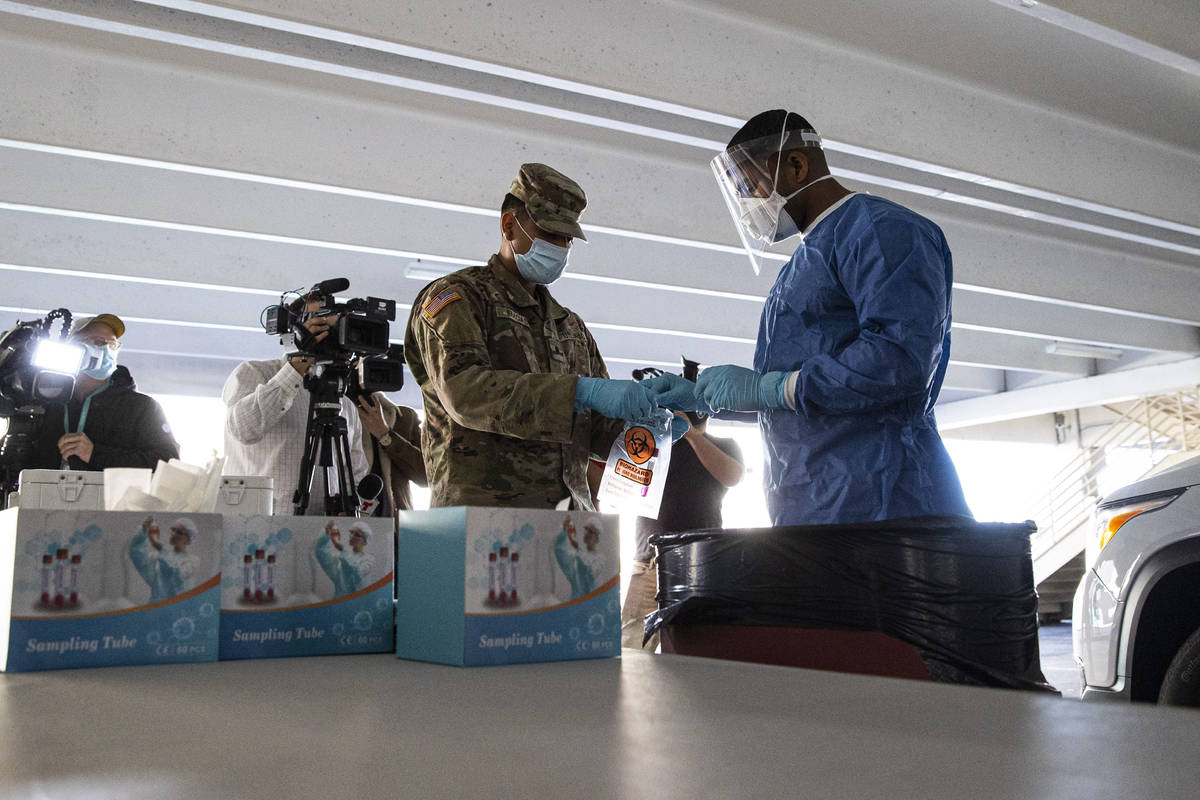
1137	610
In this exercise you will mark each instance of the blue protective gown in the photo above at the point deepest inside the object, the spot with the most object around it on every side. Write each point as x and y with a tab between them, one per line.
166	573
862	309
572	561
346	569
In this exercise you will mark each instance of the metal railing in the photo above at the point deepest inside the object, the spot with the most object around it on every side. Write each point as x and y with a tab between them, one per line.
1161	424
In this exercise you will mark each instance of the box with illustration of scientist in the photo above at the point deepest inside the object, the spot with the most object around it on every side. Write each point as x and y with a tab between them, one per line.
302	586
107	588
478	586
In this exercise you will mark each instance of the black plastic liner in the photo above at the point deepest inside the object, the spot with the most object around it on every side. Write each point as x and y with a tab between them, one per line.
960	592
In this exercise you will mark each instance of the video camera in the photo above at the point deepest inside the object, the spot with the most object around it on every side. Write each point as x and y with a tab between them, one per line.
355	359
35	368
360	333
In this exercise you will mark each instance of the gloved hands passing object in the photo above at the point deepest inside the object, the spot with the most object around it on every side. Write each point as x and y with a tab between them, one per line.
615	399
679	426
676	393
733	388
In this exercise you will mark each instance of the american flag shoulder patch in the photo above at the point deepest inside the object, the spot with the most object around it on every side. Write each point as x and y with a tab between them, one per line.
441	301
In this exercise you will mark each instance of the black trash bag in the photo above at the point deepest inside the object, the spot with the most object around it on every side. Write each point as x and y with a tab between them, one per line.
960	592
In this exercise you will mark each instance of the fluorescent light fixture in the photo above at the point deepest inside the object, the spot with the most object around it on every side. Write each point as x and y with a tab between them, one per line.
1108	36
428	270
58	356
108	276
1083	350
586	90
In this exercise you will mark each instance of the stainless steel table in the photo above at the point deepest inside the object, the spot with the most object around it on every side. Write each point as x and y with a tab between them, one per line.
641	726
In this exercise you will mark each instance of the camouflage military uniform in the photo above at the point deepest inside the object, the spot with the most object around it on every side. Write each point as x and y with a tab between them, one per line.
497	368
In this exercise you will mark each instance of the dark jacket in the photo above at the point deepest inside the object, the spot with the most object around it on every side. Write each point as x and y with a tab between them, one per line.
127	429
404	462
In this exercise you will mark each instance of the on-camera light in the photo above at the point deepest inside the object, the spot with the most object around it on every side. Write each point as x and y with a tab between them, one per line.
58	356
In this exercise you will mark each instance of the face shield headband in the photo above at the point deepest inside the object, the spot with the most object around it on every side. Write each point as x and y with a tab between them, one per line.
748	184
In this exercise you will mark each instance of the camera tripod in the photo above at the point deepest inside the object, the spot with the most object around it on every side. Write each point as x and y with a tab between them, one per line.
16	447
326	442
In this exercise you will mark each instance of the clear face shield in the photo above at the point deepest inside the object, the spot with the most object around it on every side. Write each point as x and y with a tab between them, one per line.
748	174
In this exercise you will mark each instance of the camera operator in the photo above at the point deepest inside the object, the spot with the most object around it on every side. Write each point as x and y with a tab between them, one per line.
267	415
393	450
107	422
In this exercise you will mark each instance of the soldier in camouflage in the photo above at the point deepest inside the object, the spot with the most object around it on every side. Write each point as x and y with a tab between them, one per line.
516	394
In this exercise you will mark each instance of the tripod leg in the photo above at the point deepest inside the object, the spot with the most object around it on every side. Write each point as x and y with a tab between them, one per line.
341	498
311	442
346	472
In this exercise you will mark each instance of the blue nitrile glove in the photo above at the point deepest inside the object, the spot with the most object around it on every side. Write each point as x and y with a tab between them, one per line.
679	426
676	393
732	388
615	399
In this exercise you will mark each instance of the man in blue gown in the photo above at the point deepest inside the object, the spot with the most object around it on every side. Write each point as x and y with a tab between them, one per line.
852	344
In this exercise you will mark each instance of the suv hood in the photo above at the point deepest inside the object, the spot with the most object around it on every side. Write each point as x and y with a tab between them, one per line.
1186	473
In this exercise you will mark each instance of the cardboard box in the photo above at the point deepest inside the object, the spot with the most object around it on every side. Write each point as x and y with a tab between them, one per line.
478	586
107	588
302	586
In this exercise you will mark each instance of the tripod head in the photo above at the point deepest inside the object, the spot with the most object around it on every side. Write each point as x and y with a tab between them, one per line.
326	439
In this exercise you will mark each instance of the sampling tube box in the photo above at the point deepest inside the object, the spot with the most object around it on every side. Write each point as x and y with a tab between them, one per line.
302	586
478	586
107	588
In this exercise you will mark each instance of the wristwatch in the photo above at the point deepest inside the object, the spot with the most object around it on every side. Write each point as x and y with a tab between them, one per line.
386	440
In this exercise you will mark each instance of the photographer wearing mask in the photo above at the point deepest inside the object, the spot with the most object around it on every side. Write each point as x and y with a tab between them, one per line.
107	422
267	416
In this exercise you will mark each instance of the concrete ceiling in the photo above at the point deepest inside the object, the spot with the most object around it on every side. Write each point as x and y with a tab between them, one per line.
181	163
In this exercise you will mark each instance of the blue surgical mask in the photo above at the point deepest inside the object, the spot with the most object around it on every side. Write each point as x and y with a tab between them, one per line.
100	364
544	262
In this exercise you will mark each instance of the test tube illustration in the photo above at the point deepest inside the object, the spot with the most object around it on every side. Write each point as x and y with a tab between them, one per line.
493	587
247	583
73	581
271	577
259	555
60	576
512	578
47	571
502	576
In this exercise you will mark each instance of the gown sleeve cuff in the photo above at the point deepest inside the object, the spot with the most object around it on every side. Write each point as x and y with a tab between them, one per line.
789	389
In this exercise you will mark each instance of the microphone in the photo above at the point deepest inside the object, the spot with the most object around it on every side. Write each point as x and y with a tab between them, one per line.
370	489
331	286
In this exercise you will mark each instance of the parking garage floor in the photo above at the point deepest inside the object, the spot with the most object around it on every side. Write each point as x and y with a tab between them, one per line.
1058	663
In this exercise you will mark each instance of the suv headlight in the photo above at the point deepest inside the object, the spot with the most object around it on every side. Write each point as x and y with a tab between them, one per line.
1111	517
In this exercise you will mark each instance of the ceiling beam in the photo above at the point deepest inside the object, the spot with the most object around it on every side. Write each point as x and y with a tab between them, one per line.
1082	393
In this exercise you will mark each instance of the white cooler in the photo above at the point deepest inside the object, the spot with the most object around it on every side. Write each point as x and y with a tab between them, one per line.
246	495
61	489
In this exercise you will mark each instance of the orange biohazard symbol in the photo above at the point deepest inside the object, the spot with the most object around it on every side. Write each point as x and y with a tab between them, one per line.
639	443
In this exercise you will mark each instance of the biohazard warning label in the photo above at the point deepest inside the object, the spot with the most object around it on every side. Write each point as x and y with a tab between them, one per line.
630	472
639	443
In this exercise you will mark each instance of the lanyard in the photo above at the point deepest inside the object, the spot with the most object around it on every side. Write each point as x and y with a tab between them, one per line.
83	412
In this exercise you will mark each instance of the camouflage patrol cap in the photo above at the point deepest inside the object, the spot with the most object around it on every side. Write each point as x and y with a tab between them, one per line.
553	200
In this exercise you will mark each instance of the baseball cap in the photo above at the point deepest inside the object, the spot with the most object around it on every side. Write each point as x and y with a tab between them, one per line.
111	320
553	200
